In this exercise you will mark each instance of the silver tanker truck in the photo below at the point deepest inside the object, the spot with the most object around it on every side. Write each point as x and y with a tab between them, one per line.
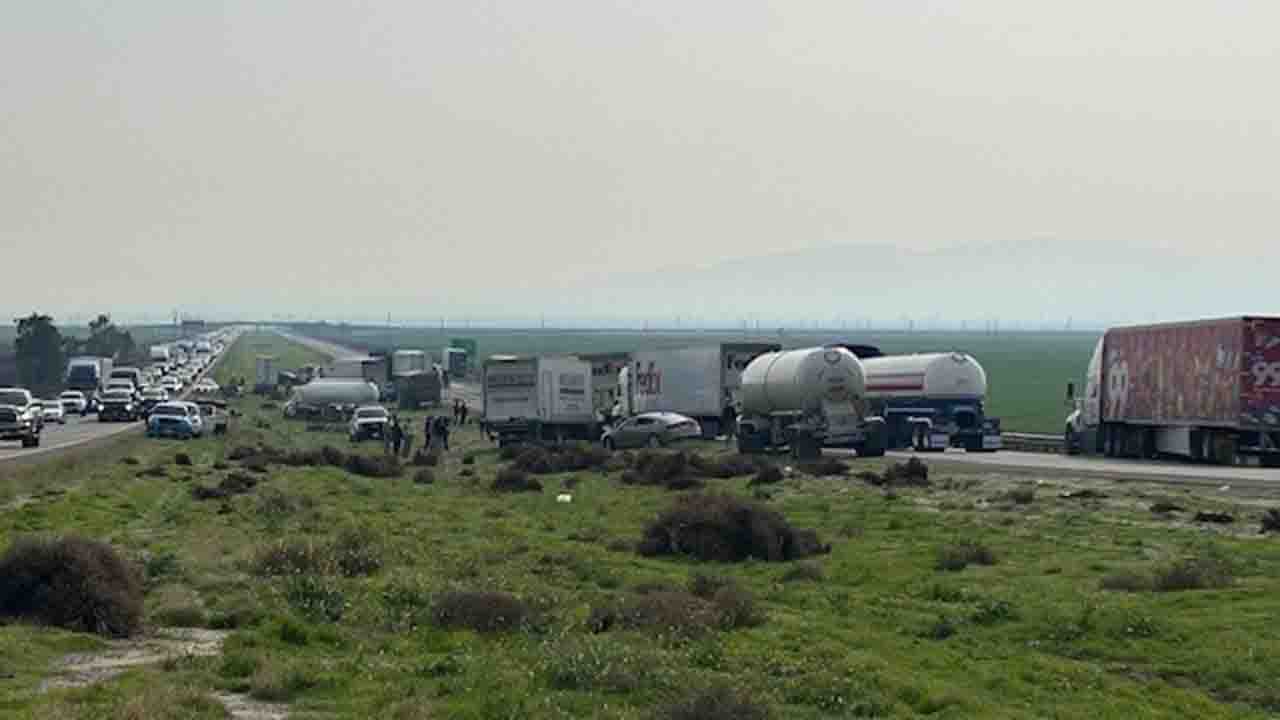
807	399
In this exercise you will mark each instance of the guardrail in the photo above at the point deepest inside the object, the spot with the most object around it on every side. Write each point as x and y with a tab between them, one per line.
1032	442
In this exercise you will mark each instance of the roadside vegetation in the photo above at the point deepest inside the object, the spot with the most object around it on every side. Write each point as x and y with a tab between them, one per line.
669	585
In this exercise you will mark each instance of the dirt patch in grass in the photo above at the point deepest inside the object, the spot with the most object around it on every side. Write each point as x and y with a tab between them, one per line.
73	583
723	528
83	669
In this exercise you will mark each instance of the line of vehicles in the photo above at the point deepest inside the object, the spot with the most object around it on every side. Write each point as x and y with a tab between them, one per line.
96	386
837	395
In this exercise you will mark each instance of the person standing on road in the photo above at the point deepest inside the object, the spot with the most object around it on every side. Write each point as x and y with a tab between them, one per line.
407	431
442	430
429	433
729	423
397	436
462	412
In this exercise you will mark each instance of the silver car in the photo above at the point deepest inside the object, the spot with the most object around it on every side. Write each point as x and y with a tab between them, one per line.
651	429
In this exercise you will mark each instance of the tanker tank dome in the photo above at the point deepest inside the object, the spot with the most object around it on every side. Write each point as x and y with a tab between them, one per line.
802	380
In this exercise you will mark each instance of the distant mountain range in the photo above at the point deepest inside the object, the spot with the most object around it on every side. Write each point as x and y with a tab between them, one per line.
1037	281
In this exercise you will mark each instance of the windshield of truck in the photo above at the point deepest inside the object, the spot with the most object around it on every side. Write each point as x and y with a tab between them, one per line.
12	397
117	395
124	374
72	395
371	413
83	373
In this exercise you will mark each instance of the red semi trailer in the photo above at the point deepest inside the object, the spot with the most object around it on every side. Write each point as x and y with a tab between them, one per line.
1207	390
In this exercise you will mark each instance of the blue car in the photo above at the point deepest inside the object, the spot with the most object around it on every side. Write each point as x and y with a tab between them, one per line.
175	419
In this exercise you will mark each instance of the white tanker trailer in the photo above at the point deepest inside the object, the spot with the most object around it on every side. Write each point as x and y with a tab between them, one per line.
328	396
806	399
931	401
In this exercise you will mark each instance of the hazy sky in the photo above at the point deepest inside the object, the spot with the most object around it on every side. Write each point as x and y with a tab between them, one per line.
453	157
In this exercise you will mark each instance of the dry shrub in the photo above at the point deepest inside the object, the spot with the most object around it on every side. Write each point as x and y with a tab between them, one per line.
130	460
373	466
237	483
962	554
290	557
182	459
274	503
768	475
724	466
572	458
1209	570
824	467
220	465
1271	521
241	452
356	551
73	583
466	472
514	480
1020	496
422	458
724	528
716	703
424	476
912	473
484	612
511	452
1217	518
321	457
1163	507
1126	582
155	471
660	612
735	607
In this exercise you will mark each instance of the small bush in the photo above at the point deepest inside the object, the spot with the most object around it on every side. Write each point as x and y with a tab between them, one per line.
316	597
804	572
469	459
1209	570
241	452
992	612
466	472
373	466
961	555
515	480
274	504
220	465
767	475
715	703
736	608
73	583
724	528
1021	496
723	467
1216	518
1271	521
912	473
422	458
237	483
130	460
593	664
940	629
824	467
1163	507
182	459
1126	582
660	612
485	612
289	557
424	476
180	616
511	452
270	684
356	551
155	471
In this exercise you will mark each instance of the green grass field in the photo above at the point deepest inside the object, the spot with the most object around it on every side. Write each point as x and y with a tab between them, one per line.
1027	372
874	629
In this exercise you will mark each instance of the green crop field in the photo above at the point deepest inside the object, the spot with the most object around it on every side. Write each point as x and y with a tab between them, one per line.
416	596
1027	372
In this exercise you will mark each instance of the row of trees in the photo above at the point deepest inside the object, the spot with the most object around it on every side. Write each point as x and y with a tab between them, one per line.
42	350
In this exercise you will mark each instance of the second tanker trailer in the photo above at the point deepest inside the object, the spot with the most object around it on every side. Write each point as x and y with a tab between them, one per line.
806	399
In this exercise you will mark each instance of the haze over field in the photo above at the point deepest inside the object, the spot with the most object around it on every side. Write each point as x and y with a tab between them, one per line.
776	161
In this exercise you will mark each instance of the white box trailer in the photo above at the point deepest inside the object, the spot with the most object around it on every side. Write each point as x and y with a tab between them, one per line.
537	399
698	381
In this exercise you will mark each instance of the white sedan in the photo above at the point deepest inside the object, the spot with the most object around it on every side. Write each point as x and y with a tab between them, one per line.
53	412
206	385
73	401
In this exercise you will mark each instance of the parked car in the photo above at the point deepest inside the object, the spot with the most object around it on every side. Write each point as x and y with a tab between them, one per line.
151	397
175	419
52	412
206	386
118	404
368	422
21	417
74	401
171	384
651	429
